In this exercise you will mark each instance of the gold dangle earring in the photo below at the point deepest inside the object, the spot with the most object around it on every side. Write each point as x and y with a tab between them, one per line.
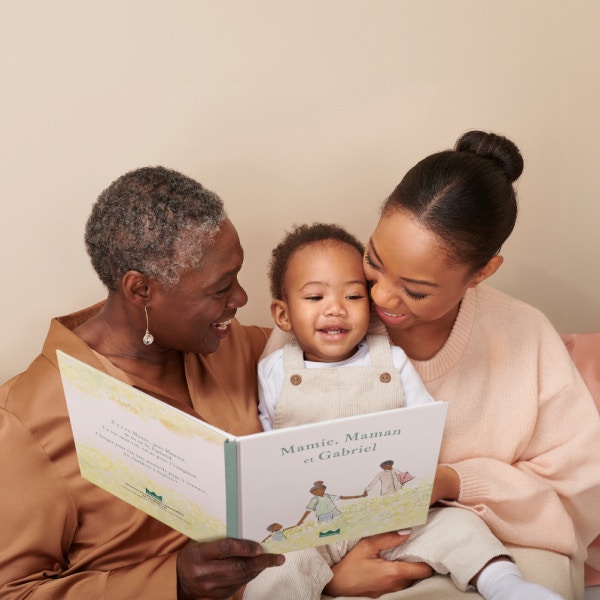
148	337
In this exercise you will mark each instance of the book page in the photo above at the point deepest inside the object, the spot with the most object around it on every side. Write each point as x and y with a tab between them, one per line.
295	487
279	469
151	455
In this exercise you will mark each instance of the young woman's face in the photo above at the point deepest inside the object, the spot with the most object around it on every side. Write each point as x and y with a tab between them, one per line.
326	304
413	280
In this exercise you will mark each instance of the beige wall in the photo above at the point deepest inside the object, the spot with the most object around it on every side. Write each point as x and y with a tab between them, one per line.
292	111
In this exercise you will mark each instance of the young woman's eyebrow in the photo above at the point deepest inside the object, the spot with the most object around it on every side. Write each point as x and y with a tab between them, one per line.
405	279
371	246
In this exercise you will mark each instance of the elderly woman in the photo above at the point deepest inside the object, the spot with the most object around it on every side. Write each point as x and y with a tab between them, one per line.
163	246
170	258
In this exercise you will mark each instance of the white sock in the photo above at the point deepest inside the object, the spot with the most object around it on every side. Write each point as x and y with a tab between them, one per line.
502	580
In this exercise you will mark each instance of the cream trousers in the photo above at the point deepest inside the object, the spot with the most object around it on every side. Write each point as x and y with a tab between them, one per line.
454	541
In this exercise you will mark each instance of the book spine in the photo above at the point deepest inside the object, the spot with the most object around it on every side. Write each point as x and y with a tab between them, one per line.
230	448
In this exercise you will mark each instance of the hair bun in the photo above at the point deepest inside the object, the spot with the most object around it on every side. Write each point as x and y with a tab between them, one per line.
497	148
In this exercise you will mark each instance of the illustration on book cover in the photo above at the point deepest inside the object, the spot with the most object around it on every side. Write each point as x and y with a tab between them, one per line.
331	521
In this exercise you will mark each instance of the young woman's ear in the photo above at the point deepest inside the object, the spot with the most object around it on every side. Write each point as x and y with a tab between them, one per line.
279	312
488	270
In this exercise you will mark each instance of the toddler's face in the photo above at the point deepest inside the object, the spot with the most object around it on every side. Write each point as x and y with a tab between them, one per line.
327	302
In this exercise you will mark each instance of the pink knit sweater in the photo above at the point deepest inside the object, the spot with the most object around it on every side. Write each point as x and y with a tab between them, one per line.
522	432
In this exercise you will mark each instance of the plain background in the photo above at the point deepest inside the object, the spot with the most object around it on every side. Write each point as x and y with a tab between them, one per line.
293	112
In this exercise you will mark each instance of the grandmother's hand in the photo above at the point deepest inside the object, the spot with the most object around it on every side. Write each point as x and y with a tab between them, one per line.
218	569
362	572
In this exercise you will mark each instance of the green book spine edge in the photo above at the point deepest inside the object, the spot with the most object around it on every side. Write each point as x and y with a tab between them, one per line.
231	488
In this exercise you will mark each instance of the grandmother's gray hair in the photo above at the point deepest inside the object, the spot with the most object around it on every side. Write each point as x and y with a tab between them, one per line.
153	220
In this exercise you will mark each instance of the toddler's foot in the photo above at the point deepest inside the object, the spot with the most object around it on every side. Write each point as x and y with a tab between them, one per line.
502	580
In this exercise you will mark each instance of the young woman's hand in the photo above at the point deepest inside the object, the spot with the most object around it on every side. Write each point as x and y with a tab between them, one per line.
362	572
446	485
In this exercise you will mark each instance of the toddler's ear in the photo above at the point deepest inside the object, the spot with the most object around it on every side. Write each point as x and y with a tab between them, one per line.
279	312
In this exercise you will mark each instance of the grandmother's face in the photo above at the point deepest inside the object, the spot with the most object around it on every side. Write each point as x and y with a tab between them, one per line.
194	315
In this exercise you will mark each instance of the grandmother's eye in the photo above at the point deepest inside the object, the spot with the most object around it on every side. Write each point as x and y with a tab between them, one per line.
223	291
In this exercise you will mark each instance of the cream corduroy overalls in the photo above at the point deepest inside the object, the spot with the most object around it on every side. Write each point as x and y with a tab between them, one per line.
310	395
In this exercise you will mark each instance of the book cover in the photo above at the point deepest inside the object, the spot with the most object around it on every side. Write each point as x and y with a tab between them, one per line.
289	488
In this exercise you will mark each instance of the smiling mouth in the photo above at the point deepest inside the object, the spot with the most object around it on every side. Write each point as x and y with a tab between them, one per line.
223	326
384	314
389	314
333	330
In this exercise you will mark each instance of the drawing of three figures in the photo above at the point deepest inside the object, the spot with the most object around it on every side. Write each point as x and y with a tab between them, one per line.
390	481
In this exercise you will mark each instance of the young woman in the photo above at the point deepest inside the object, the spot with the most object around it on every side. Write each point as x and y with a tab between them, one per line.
522	440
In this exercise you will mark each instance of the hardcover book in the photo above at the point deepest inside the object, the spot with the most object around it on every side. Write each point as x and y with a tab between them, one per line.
289	488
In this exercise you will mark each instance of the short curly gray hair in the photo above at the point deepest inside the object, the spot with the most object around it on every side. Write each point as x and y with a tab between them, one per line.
153	220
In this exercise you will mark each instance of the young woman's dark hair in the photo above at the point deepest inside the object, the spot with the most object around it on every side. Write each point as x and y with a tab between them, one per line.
464	196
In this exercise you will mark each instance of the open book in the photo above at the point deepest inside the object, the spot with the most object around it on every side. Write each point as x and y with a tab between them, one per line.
376	470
